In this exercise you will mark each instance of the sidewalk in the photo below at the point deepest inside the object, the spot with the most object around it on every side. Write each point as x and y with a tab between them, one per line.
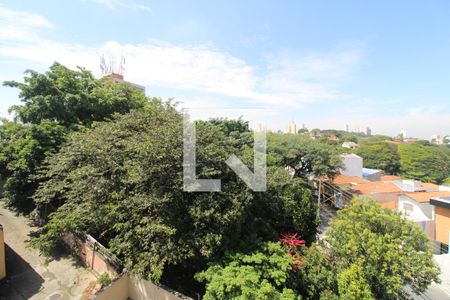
28	277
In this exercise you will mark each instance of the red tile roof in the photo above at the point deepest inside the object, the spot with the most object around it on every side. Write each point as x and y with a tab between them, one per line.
429	185
342	179
390	178
424	197
375	187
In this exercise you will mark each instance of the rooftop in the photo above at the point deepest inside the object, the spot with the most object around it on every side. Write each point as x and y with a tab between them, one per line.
376	187
370	171
424	197
390	178
342	180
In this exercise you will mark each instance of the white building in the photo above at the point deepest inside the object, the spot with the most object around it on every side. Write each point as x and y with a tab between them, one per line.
291	128
350	145
439	140
352	165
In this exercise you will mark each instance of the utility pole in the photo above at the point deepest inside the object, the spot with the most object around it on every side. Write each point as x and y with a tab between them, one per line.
319	196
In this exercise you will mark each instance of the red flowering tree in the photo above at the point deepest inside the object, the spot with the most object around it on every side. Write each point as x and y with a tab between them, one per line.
293	242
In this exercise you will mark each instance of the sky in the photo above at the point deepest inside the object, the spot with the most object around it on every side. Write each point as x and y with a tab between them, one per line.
325	64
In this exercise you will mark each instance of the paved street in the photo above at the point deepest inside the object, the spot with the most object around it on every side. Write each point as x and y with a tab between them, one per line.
28	276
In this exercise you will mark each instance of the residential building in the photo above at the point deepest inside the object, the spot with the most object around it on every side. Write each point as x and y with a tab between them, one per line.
350	145
402	134
291	128
333	138
372	174
115	77
441	206
2	254
352	165
427	204
440	140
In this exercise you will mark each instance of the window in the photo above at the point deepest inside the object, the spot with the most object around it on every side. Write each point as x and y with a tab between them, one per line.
408	208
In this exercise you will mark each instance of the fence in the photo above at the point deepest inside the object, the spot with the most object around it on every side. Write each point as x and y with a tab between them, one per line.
94	255
124	285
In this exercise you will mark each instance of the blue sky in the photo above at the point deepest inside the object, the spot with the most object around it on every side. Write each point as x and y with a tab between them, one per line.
383	64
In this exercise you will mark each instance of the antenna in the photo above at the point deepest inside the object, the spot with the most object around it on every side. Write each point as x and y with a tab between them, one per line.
108	66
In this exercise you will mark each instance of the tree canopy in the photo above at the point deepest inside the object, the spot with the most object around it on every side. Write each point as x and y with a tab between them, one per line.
22	150
424	162
380	155
54	103
72	97
262	274
121	182
303	155
384	250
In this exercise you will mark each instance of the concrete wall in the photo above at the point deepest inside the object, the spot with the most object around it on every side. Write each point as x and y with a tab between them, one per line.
140	289
442	224
129	286
117	290
352	165
89	252
2	254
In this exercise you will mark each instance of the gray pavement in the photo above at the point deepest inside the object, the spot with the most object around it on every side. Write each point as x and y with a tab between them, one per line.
28	275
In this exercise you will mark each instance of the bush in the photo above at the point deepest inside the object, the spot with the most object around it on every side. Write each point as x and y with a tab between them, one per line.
104	279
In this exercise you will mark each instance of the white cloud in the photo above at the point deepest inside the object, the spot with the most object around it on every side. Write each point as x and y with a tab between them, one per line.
19	25
284	80
124	4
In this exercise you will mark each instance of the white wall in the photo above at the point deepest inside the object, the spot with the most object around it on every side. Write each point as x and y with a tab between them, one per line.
131	287
444	188
421	211
352	165
140	289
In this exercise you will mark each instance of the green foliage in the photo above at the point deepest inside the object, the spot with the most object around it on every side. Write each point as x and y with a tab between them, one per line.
121	182
262	274
387	251
22	150
446	181
55	103
229	126
353	285
317	278
424	162
303	155
72	97
104	279
380	155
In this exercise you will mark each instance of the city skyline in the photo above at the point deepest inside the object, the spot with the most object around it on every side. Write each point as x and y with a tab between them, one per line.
389	75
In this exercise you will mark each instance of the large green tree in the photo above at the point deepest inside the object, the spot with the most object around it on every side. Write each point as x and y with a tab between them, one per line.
121	181
72	97
303	155
54	103
380	155
262	274
22	150
424	162
384	250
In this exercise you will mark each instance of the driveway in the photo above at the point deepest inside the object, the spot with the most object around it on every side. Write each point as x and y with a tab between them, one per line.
29	276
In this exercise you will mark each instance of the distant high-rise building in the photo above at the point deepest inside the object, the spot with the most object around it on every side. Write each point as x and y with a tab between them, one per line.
368	131
347	128
403	134
291	127
261	128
